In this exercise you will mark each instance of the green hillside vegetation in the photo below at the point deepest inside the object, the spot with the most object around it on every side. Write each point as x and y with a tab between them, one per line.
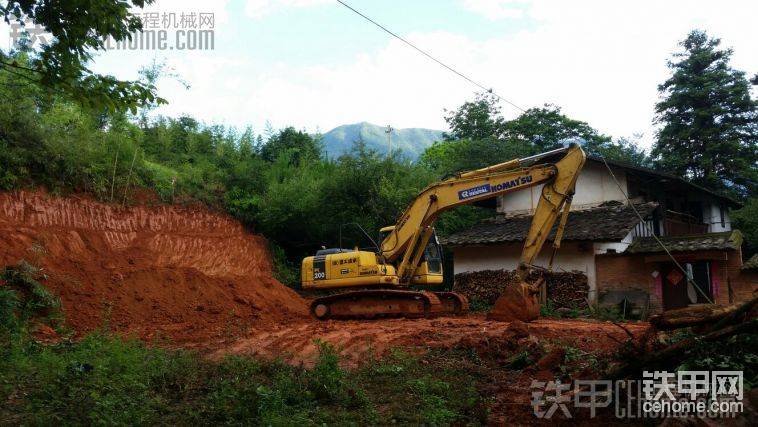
281	184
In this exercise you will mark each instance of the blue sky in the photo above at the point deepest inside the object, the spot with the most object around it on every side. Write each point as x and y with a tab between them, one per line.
328	31
313	64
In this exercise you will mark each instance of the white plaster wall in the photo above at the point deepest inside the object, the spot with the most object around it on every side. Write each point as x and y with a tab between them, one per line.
712	216
610	247
594	186
571	256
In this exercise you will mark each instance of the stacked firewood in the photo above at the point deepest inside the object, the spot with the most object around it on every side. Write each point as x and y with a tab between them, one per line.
485	285
567	289
564	289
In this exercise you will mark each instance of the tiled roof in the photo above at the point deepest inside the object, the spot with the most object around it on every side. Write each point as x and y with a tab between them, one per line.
608	222
699	242
751	264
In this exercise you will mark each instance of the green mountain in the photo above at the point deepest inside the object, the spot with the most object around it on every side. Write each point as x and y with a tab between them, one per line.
411	141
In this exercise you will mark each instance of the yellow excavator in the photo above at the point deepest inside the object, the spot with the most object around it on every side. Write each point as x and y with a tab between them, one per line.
378	282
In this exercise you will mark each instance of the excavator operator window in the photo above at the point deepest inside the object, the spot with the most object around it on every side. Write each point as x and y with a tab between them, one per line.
433	255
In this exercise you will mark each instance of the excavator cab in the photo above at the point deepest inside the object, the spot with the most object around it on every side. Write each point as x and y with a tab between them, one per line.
429	270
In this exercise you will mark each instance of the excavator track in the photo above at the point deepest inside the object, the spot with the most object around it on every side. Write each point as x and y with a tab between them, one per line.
382	303
453	303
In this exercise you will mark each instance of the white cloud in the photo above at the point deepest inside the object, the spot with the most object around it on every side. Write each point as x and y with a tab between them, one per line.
600	62
261	8
496	9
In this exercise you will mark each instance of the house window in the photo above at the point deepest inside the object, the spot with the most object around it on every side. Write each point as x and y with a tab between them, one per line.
723	219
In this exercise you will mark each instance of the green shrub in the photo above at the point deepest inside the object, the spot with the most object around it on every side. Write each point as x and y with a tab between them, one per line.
34	300
9	306
163	180
478	305
285	271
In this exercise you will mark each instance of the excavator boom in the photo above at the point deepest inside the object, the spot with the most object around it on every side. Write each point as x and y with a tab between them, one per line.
403	258
481	184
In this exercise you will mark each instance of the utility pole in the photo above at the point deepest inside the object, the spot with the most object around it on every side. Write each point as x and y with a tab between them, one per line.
388	131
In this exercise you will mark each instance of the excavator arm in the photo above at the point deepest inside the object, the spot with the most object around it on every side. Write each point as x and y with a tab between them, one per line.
407	240
397	264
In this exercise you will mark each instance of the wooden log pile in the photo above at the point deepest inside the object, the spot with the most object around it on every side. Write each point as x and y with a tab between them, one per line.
711	325
564	289
706	317
485	285
700	314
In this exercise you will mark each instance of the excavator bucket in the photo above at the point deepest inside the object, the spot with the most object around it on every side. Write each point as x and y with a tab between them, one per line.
516	303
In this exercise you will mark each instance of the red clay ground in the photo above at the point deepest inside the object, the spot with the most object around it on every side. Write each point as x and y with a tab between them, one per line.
495	342
182	274
358	340
188	277
195	278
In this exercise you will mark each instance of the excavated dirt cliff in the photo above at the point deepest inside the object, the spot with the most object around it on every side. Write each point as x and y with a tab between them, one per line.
181	274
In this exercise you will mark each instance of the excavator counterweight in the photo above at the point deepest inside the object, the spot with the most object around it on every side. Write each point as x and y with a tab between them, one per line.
378	283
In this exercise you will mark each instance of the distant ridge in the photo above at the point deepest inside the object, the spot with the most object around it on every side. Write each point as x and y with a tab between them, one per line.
412	141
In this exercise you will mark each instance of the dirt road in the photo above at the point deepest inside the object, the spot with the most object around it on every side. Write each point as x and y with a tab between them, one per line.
357	340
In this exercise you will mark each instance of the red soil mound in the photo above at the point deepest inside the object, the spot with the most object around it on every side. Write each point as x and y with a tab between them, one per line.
185	274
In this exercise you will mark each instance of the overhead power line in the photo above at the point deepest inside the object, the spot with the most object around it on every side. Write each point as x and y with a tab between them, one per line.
423	52
642	220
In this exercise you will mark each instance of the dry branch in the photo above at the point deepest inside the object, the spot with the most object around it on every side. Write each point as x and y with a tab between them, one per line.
702	314
676	350
690	316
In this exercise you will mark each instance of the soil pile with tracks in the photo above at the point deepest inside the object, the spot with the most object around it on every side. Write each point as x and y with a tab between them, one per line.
359	340
185	274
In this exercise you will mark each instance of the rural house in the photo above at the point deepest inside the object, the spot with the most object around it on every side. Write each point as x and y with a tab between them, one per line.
605	239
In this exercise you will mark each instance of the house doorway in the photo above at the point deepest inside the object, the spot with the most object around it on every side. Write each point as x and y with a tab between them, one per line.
677	293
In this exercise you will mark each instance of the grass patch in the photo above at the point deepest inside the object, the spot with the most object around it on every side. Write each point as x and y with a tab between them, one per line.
23	298
477	305
104	379
440	388
107	379
578	360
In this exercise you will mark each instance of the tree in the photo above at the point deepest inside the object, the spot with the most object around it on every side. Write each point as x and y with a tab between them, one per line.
625	150
448	157
546	126
709	122
477	119
480	136
149	76
303	146
78	28
746	220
